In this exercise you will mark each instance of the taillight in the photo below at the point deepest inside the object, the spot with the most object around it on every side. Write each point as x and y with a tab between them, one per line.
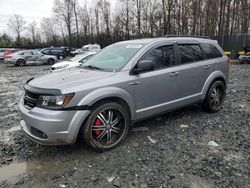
8	56
229	61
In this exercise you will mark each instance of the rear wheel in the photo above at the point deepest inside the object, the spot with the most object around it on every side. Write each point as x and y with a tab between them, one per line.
106	127
20	62
50	61
215	97
59	57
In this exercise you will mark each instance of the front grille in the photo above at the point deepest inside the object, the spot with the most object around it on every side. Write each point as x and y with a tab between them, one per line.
30	99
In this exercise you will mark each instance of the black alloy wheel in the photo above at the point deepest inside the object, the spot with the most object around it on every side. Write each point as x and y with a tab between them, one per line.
106	127
20	62
215	97
50	61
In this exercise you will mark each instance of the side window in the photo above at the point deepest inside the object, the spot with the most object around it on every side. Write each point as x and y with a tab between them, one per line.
211	51
46	52
162	56
27	53
190	53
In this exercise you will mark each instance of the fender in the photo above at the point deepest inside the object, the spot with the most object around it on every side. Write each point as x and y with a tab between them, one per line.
210	79
108	92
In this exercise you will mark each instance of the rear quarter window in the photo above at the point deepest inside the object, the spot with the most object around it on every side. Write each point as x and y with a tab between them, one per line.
211	51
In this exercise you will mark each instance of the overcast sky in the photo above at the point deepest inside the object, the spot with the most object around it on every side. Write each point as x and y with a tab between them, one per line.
29	9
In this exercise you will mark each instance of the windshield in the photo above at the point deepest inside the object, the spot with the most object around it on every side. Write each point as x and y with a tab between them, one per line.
113	57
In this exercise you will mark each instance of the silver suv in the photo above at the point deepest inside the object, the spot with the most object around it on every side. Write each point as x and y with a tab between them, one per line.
124	83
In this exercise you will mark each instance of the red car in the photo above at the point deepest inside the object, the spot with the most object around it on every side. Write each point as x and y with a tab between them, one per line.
9	52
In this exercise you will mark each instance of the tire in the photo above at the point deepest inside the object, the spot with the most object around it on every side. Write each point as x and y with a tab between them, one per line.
215	97
20	62
103	131
59	57
50	61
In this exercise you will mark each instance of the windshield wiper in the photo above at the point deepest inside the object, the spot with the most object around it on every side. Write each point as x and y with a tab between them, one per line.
92	67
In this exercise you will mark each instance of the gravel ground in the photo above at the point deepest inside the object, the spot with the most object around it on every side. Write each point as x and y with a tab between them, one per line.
173	152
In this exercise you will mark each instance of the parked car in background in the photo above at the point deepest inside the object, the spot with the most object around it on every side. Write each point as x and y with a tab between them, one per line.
87	48
22	58
124	83
245	58
59	52
2	50
9	52
73	62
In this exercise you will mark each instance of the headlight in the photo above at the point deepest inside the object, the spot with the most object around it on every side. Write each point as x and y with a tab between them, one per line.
54	102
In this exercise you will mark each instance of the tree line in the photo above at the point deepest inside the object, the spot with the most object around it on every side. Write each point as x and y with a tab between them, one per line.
75	23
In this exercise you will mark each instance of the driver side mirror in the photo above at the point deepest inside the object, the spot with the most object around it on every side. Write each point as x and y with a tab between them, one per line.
143	66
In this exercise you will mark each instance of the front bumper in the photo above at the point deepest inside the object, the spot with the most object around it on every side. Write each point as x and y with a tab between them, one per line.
60	127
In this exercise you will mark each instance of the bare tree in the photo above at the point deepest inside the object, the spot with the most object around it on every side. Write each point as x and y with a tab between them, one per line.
16	24
75	8
49	30
64	9
32	27
138	7
105	8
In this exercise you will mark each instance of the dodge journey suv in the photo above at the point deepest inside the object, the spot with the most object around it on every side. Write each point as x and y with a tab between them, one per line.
125	82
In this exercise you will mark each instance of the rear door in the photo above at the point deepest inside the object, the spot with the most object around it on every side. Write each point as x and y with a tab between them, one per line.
27	55
193	68
33	57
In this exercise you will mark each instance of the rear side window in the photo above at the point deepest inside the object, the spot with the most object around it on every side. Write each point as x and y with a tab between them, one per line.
47	51
190	53
26	53
211	51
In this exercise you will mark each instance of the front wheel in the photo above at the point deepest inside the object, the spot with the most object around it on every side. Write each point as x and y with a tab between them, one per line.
50	61
106	127
215	97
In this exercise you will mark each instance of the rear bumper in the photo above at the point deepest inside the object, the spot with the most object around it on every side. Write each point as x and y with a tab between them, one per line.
6	61
60	127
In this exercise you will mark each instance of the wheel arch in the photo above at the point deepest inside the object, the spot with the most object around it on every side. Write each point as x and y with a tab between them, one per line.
217	75
110	94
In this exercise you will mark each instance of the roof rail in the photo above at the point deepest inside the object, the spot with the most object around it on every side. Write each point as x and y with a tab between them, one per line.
195	36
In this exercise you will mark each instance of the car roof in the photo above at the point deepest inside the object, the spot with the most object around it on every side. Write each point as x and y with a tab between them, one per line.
170	39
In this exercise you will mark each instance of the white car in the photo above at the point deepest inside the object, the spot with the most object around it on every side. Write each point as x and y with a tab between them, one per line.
73	62
87	48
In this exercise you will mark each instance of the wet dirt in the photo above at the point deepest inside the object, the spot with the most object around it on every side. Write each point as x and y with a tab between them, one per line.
172	151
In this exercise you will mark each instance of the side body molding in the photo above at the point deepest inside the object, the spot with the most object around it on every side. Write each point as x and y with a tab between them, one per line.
108	92
210	79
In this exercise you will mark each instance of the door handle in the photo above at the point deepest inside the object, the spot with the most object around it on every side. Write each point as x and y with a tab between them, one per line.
174	73
206	67
134	83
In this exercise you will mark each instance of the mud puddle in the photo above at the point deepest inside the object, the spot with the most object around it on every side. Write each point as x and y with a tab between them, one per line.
12	171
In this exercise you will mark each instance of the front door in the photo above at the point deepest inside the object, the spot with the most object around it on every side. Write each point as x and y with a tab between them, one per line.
154	89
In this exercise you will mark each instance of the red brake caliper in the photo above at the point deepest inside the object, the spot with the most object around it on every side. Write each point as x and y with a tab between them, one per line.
98	123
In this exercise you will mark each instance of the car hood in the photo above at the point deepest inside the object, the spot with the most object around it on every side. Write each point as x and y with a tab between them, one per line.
62	64
69	78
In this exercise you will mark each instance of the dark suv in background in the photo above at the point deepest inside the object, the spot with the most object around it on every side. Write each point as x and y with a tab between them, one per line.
59	52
